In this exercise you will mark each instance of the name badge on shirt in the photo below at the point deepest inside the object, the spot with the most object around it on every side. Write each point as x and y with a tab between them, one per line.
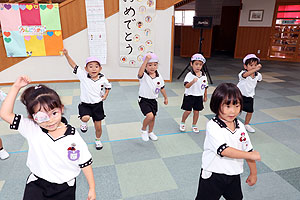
203	85
157	88
244	141
73	154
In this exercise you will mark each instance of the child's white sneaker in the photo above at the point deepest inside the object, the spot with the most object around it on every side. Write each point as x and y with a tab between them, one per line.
3	154
83	128
152	136
195	129
98	144
145	135
182	127
249	128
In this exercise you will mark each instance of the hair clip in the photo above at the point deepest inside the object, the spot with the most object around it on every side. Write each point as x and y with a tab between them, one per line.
37	87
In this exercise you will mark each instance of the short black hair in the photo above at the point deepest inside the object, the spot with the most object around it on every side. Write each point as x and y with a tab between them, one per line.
40	95
225	93
251	60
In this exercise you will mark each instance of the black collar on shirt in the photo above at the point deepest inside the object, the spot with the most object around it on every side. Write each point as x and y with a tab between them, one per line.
156	74
222	123
193	72
100	75
70	129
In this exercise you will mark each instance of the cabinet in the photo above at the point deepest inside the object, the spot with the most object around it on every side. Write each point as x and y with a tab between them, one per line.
285	35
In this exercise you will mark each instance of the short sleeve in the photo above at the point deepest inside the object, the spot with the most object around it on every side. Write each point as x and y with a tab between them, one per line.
206	82
162	85
188	78
259	76
85	158
80	73
25	126
107	84
241	75
215	139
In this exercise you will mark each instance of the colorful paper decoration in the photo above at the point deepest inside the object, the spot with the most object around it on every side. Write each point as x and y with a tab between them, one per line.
31	29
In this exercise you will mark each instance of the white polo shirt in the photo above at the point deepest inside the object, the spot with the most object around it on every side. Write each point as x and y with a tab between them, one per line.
219	137
150	87
247	85
198	88
55	160
91	91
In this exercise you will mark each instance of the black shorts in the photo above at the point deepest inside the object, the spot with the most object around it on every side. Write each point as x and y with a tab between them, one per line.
42	189
248	104
192	102
218	185
148	105
95	111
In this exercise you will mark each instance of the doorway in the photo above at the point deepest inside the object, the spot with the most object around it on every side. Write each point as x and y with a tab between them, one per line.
224	35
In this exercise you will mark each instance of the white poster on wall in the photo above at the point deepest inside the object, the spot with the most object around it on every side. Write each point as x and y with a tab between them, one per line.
96	29
136	30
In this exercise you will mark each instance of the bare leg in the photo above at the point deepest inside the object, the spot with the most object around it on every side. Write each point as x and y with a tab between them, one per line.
185	116
248	118
1	146
195	117
148	119
98	128
85	118
151	125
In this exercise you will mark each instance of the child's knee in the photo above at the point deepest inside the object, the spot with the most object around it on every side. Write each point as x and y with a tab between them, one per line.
85	118
150	116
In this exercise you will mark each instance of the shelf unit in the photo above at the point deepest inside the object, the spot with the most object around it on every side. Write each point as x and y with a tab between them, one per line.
285	35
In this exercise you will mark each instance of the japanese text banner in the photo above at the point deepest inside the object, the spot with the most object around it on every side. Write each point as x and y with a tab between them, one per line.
31	29
136	30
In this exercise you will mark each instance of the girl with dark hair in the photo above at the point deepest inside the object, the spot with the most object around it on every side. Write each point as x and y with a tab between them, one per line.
56	152
226	146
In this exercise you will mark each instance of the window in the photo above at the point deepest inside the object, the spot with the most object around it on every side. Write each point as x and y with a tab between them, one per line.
184	17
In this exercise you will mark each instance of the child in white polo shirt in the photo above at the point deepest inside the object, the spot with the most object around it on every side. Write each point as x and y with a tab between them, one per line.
195	83
3	152
226	146
94	89
248	79
56	151
151	83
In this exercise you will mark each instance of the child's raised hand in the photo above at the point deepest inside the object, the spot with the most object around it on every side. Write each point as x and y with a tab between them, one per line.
148	57
65	52
22	81
258	67
195	80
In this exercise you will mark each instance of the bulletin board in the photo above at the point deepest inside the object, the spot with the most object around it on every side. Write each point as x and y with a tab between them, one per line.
31	29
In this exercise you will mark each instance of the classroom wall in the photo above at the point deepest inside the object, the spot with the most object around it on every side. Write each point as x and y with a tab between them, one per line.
267	5
54	68
254	37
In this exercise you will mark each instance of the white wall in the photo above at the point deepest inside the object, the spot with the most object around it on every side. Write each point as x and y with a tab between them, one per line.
267	5
56	67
